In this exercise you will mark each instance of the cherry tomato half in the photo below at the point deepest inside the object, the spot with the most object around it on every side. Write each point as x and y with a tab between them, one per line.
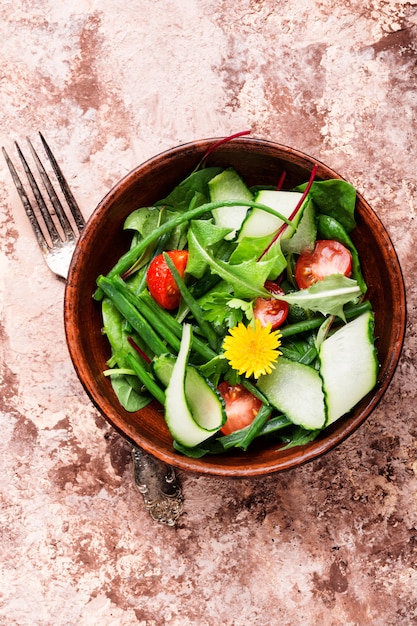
328	257
270	310
241	407
160	281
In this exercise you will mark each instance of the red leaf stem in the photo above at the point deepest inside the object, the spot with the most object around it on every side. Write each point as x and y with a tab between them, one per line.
138	349
281	181
220	143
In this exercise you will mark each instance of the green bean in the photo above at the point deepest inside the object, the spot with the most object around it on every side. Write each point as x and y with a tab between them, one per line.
255	427
146	379
133	316
255	391
313	323
161	329
270	426
167	321
192	304
274	424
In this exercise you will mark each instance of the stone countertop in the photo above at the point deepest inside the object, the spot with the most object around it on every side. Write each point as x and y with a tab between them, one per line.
333	542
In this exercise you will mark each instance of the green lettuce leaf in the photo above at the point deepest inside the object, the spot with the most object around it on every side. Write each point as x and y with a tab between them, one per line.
251	248
336	198
207	235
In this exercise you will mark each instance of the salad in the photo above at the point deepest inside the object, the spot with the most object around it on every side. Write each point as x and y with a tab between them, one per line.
241	310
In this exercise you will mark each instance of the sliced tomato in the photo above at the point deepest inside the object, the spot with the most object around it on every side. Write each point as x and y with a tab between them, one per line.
328	257
161	283
241	407
270	310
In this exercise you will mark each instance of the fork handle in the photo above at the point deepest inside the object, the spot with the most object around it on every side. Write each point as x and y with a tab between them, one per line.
159	486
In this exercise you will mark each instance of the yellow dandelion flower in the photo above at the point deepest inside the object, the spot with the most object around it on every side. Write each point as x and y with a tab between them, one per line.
252	350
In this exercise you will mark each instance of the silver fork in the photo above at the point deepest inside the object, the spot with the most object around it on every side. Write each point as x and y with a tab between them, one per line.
156	481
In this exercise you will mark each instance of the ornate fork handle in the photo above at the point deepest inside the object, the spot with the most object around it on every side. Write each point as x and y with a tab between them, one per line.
156	481
159	486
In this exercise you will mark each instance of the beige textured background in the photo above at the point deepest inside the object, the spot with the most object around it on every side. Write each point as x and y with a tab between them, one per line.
111	84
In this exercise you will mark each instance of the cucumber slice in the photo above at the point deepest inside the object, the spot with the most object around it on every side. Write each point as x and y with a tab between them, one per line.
193	409
296	390
260	223
348	366
206	405
228	185
306	234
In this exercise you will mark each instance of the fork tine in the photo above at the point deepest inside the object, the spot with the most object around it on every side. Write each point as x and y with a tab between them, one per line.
56	203
72	203
39	198
27	205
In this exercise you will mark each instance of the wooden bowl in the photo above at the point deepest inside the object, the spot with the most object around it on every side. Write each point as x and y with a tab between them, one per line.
103	241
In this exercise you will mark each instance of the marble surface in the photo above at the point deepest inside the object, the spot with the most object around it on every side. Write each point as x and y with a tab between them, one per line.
110	84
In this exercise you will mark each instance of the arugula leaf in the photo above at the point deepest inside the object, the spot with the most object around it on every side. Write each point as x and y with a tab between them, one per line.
249	248
247	278
327	296
214	369
323	331
301	350
275	256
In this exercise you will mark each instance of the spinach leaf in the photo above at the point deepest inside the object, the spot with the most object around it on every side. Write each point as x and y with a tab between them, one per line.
143	220
211	446
127	388
299	437
194	185
336	198
128	396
